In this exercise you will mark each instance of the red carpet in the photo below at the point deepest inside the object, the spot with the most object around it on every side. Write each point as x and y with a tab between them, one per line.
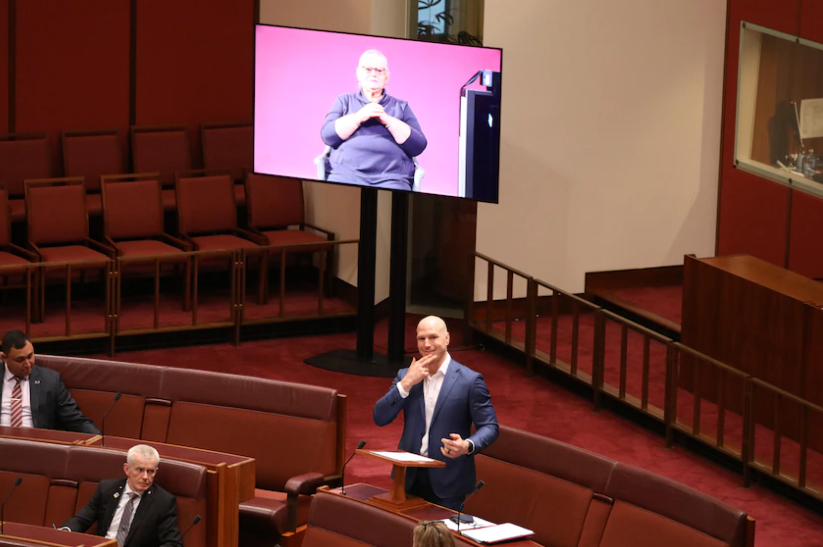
532	404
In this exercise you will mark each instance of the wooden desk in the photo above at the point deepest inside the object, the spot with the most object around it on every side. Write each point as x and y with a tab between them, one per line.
364	492
758	318
397	499
45	435
230	482
41	535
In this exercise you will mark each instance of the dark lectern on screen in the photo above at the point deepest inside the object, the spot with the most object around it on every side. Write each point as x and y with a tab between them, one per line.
480	138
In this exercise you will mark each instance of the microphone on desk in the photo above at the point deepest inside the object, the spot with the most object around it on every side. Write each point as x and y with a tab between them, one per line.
17	482
460	517
103	422
194	522
360	445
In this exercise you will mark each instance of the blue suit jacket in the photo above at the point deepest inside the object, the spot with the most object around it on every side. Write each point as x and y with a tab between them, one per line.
464	399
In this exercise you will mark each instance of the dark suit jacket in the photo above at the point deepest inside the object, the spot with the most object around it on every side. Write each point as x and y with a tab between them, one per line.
52	406
464	399
154	523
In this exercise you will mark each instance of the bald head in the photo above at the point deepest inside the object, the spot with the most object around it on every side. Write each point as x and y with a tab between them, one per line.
433	338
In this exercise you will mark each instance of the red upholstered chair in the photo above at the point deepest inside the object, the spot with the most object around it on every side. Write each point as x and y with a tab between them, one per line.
164	150
133	222
207	215
92	154
11	255
229	146
22	156
274	206
58	227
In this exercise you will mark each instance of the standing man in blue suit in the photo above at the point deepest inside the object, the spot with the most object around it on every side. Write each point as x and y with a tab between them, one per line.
440	399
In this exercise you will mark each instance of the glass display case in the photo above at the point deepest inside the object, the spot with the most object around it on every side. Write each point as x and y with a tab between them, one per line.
779	132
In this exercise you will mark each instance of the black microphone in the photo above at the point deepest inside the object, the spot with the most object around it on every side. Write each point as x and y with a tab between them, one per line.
194	522
103	422
460	517
360	445
17	482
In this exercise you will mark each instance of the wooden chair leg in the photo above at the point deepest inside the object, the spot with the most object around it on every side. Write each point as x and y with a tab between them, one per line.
263	283
329	281
186	285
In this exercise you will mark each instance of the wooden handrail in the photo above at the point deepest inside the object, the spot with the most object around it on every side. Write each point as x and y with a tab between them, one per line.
501	265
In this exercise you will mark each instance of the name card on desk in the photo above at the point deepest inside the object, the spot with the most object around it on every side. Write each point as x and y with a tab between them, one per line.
497	534
404	457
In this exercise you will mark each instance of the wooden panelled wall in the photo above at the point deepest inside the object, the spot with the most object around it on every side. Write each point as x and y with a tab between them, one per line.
93	64
756	216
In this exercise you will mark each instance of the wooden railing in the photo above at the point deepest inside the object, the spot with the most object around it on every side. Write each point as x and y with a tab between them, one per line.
153	267
702	398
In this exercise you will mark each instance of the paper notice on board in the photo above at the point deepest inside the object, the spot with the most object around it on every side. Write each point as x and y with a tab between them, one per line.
811	118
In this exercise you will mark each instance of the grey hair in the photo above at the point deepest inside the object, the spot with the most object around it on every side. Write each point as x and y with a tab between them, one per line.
373	52
144	451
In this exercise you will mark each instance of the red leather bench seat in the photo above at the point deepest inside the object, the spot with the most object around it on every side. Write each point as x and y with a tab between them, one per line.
58	480
548	486
290	429
336	521
573	498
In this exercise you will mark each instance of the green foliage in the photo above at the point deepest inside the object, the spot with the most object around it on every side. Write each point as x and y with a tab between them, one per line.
427	30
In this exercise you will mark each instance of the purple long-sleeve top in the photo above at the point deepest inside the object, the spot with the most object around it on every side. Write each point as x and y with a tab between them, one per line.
371	156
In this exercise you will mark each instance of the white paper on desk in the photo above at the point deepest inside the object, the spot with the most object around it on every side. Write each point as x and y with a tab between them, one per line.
811	118
495	534
403	457
478	523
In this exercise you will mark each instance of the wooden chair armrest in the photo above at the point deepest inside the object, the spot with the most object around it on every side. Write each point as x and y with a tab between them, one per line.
110	252
20	251
171	240
257	238
329	235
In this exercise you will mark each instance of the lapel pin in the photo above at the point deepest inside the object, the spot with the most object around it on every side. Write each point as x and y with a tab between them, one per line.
116	495
36	382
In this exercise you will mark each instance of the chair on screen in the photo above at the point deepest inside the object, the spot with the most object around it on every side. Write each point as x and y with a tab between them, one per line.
133	225
274	206
92	154
165	150
22	156
58	229
323	166
229	146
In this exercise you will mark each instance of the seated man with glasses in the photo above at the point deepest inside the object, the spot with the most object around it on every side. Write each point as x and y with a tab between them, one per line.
373	135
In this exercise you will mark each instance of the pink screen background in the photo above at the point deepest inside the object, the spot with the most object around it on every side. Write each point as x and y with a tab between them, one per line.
299	74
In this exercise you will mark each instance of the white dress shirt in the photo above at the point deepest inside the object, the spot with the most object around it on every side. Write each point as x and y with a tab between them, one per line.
431	391
5	408
118	513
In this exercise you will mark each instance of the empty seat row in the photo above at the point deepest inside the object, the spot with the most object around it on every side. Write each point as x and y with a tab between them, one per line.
58	227
90	155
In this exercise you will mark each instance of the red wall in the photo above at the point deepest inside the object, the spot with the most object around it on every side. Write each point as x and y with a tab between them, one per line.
194	63
756	216
4	66
72	66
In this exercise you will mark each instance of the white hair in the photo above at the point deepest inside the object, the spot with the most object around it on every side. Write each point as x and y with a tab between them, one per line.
144	451
373	52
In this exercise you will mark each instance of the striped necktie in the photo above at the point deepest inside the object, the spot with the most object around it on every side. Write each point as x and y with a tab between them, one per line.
125	520
17	404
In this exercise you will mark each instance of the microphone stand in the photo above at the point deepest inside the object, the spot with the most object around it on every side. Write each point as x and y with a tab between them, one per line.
103	422
477	487
360	445
17	482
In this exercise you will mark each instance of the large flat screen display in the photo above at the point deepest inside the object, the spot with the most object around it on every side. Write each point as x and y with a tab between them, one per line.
379	112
